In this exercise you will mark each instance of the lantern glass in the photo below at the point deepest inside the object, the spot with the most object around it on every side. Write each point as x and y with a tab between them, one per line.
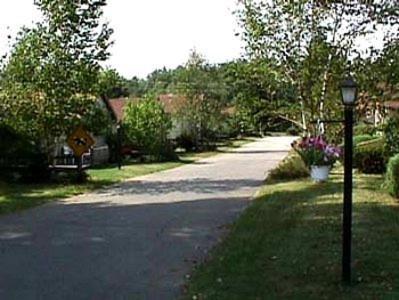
349	91
348	95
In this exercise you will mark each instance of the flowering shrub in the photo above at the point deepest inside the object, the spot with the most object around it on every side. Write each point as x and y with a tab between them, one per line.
315	151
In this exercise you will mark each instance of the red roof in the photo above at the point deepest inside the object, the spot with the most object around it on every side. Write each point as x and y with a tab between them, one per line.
118	105
394	104
172	103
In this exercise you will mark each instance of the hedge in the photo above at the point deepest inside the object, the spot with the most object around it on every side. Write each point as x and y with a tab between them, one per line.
369	156
392	176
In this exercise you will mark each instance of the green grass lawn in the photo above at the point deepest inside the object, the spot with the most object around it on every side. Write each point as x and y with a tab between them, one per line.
287	245
14	197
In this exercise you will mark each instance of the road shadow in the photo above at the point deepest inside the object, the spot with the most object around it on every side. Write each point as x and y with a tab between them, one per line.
102	251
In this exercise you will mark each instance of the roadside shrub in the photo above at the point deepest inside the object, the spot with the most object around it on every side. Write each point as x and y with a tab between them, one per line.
293	130
146	126
363	128
190	143
391	183
292	167
391	131
21	158
369	157
186	141
227	129
67	178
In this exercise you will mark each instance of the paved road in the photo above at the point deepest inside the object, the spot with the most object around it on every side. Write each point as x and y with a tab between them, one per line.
136	240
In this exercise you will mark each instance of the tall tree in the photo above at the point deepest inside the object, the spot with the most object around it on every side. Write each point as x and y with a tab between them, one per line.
50	79
136	87
261	96
311	42
112	84
205	95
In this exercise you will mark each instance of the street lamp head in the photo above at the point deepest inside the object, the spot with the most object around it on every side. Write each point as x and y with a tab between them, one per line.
349	91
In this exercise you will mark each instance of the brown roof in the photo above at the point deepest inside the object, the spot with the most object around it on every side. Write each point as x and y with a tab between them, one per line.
172	103
394	104
118	105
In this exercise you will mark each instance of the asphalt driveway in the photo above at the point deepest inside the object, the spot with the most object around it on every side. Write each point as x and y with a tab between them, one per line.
136	240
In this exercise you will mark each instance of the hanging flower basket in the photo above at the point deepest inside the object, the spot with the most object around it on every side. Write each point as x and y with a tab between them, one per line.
320	173
318	155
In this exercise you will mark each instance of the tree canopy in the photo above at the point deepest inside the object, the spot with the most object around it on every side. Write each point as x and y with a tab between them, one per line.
50	79
312	44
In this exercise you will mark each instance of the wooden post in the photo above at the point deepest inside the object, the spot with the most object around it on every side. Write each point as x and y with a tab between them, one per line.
79	162
119	146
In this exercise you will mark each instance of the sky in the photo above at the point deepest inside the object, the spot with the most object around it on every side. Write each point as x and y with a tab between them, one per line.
150	34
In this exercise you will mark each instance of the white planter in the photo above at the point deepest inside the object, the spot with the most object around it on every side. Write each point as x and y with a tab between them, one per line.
319	173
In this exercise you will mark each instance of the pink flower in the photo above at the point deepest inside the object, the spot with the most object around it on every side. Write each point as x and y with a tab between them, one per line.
316	150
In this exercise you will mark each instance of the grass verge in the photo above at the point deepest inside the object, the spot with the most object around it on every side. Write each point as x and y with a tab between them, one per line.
15	197
287	245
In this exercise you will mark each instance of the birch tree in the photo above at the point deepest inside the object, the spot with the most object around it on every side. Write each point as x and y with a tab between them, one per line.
313	43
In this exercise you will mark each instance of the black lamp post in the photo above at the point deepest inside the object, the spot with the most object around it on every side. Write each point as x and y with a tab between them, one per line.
349	96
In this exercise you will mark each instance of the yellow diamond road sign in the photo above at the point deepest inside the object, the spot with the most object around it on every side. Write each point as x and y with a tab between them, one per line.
80	141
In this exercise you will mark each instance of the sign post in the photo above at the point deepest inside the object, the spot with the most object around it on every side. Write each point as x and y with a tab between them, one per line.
80	142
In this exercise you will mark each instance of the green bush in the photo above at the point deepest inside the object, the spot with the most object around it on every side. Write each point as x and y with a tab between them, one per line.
146	126
190	142
369	156
20	158
391	131
186	141
392	176
293	130
363	128
292	167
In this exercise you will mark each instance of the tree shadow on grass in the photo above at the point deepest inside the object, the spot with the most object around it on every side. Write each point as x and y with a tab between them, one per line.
288	246
369	182
15	197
